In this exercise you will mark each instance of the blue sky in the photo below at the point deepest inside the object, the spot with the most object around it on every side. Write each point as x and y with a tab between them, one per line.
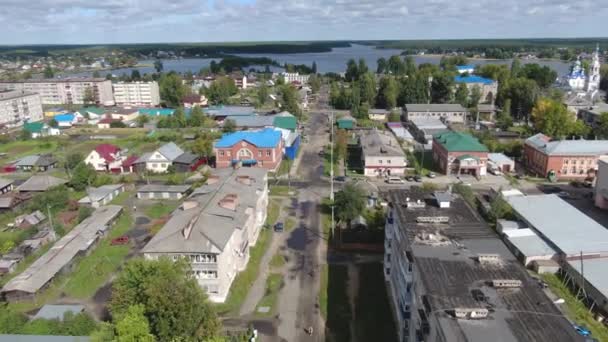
139	21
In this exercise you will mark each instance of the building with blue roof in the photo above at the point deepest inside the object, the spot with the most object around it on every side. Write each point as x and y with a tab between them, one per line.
156	111
68	120
487	86
262	148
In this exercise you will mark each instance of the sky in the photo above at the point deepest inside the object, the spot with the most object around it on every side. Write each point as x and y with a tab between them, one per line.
146	21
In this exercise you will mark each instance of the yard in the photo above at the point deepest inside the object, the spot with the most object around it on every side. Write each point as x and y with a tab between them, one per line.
160	209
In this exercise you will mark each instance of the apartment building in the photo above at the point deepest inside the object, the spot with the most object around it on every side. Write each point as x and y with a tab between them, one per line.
563	159
446	271
19	107
215	228
136	93
381	154
449	112
291	77
66	90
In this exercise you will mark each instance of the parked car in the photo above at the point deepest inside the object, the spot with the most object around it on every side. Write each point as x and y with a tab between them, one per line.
581	330
394	180
432	175
278	227
409	178
417	178
340	179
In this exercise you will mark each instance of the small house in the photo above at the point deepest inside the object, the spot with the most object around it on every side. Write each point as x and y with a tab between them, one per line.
170	192
36	162
67	120
501	162
186	162
40	129
40	183
159	160
13	201
346	122
378	114
29	220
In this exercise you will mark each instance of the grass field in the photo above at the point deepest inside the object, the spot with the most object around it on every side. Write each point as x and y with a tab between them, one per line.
274	282
290	224
160	209
277	261
323	290
575	309
18	149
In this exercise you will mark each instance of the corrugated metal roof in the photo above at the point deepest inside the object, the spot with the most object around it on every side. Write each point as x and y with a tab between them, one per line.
164	188
266	138
595	272
43	338
570	230
64	117
473	79
170	150
567	147
531	245
434	107
40	183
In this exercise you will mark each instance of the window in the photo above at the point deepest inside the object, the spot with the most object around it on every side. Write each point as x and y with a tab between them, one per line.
388	161
268	153
229	153
259	153
222	153
163	165
154	166
388	271
566	162
388	257
379	161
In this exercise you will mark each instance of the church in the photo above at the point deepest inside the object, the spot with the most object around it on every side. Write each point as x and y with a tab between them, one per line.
583	89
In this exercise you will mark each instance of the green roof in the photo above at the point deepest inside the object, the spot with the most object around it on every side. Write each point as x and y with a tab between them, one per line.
94	110
33	127
285	121
459	142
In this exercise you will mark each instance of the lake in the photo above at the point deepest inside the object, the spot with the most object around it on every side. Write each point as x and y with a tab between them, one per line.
334	61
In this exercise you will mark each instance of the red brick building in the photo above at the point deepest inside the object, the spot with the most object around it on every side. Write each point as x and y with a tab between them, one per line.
563	159
250	148
459	153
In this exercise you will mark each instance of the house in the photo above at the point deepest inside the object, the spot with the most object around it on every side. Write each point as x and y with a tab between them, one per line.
36	163
108	157
6	185
194	100
487	86
97	197
448	112
262	148
29	220
240	80
346	122
58	311
13	201
381	154
186	162
171	192
39	239
215	228
487	111
563	159
92	113
67	120
40	183
159	160
40	129
378	114
125	114
77	242
458	153
591	114
499	161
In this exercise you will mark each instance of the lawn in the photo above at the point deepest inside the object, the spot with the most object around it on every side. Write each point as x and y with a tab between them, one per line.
18	149
280	190
121	198
339	313
290	224
274	283
576	310
274	209
327	162
323	290
94	270
277	260
373	318
284	167
326	217
160	209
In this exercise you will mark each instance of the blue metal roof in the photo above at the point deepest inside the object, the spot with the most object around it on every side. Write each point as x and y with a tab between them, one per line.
156	111
266	138
473	79
64	117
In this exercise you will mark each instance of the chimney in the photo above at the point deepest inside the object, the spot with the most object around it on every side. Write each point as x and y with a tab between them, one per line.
230	202
246	180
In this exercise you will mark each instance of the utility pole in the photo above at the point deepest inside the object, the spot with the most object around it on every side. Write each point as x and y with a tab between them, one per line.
331	171
48	212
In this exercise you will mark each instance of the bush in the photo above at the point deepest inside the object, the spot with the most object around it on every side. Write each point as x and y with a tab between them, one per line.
84	212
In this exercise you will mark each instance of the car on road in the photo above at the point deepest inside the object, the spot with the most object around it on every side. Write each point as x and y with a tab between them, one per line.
279	227
409	178
321	153
581	330
394	180
432	175
340	179
417	178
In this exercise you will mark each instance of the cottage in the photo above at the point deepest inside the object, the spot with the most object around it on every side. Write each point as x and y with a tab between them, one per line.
40	183
378	114
37	162
171	192
159	160
97	197
40	129
262	148
108	157
68	120
194	100
457	153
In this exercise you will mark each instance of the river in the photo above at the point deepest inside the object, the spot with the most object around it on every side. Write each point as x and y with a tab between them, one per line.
334	61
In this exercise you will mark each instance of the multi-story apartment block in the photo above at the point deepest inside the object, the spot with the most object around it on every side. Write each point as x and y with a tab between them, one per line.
291	77
451	278
215	228
136	93
563	159
18	107
66	91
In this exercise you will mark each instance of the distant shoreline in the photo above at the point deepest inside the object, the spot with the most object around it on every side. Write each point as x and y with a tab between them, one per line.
436	55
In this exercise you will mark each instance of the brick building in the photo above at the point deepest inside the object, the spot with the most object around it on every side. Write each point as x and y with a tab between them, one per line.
250	148
459	153
563	159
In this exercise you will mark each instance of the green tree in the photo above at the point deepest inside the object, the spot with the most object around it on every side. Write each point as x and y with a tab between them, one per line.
174	304
158	65
135	75
381	65
196	118
180	117
315	83
394	116
203	145
352	71
409	66
543	76
262	94
314	67
450	62
395	66
362	67
552	118
523	94
289	100
83	176
142	119
73	159
601	128
134	326
389	90
349	203
25	135
504	119
515	67
441	88
11	321
96	74
367	86
88	96
172	90
49	72
118	124
500	209
462	95
53	123
221	90
475	96
229	126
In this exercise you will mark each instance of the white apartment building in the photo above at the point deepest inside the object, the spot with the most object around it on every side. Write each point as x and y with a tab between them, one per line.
65	91
17	108
215	228
136	93
291	77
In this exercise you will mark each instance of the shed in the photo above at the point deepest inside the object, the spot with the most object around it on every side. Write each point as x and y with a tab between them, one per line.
527	246
346	122
96	197
501	162
170	192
